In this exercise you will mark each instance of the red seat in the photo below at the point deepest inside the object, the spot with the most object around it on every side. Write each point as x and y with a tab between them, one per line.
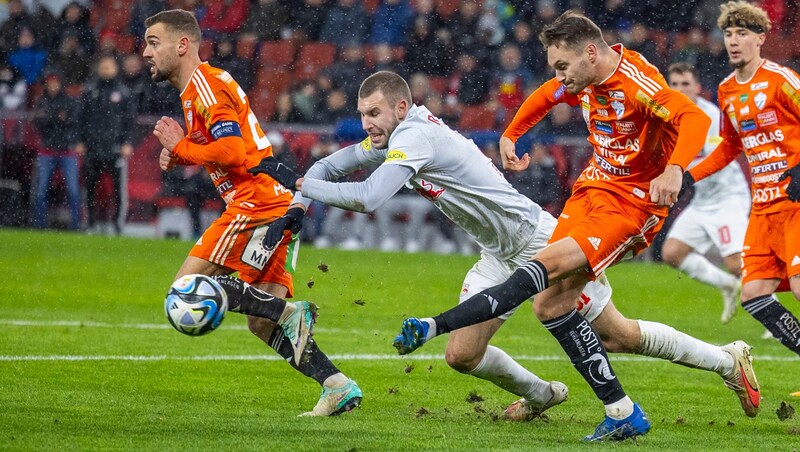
275	80
447	7
301	143
476	117
206	49
438	84
262	102
276	54
313	57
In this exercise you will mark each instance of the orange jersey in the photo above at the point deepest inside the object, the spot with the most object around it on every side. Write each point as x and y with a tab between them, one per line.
761	117
633	119
225	137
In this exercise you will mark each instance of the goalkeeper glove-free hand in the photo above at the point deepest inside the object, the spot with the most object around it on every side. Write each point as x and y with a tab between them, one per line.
291	221
793	189
278	171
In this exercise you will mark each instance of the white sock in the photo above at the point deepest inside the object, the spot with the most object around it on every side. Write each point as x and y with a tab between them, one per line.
431	328
662	341
620	409
699	268
501	369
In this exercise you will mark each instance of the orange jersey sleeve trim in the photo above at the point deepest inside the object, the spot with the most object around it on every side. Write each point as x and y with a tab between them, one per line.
536	107
224	152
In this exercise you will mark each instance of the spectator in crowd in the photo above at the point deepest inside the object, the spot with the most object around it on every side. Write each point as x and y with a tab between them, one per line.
532	52
45	26
267	20
136	80
640	41
540	181
285	111
390	22
346	72
469	83
420	87
713	63
307	19
225	58
427	50
511	80
224	17
75	20
306	100
18	18
462	25
70	60
106	117
280	150
13	89
28	57
335	108
384	60
346	22
55	117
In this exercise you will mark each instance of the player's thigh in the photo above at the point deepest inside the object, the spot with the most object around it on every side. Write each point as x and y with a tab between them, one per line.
195	265
466	346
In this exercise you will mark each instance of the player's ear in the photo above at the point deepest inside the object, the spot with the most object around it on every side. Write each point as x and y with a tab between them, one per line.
401	109
183	45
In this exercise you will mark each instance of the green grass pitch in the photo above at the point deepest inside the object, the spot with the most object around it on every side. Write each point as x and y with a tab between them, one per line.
88	361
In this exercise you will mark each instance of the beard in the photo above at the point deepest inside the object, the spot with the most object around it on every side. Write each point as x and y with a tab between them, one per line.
160	75
737	64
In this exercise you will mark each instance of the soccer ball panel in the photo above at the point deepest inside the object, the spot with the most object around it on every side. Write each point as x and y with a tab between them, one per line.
195	305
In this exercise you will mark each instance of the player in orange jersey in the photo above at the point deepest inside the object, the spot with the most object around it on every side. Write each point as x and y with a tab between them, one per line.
644	135
760	104
225	137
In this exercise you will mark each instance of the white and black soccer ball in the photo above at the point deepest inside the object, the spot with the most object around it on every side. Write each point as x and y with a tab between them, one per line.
195	305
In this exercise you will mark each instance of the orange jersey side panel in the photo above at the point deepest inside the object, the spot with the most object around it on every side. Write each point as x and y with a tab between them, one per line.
215	109
633	119
762	117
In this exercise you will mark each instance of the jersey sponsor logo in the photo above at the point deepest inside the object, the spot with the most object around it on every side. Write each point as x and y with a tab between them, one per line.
395	155
595	241
764	155
202	110
791	92
747	125
638	192
198	137
749	142
758	85
224	186
559	92
770	167
744	110
767	118
626	127
760	99
606	166
743	97
366	144
603	126
616	144
217	174
766	194
602	112
223	129
652	105
619	108
429	191
618	95
766	178
602	100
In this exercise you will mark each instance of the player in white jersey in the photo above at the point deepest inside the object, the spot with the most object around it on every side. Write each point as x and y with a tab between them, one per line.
717	214
417	149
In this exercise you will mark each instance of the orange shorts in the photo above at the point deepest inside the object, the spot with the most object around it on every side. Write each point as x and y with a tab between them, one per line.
772	247
234	241
606	226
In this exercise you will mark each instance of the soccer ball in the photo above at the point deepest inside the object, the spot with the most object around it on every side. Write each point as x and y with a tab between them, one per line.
195	305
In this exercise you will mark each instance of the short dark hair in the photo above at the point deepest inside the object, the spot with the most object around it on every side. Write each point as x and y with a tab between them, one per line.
684	68
393	87
571	29
177	20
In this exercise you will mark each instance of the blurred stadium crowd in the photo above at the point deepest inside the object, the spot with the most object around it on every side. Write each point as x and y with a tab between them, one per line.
78	102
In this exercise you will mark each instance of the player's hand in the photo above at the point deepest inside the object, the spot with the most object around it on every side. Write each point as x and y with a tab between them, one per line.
291	221
508	155
278	171
687	185
793	189
664	189
168	132
167	160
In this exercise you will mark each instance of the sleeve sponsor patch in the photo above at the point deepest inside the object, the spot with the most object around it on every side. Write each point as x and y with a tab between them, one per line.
395	155
791	92
559	92
651	104
225	129
366	144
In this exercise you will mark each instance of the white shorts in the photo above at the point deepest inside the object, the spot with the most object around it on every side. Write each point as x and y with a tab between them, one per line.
723	227
490	271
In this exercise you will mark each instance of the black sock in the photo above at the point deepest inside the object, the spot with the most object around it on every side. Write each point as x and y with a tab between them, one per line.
525	282
313	364
777	319
579	339
246	299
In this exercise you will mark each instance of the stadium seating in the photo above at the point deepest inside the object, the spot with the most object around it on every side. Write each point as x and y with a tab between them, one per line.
278	54
313	57
476	117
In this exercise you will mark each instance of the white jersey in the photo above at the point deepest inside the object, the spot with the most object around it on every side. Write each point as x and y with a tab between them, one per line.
451	172
729	184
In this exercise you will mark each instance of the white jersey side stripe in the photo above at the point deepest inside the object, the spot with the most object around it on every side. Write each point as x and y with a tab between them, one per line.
787	74
201	93
224	241
242	225
602	265
647	83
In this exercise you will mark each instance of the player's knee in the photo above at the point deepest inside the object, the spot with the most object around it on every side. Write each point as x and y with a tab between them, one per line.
670	255
460	359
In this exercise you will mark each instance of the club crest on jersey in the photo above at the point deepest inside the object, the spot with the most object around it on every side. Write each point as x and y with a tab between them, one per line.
187	104
429	191
747	125
767	118
760	99
619	108
603	126
395	155
743	97
366	144
758	85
